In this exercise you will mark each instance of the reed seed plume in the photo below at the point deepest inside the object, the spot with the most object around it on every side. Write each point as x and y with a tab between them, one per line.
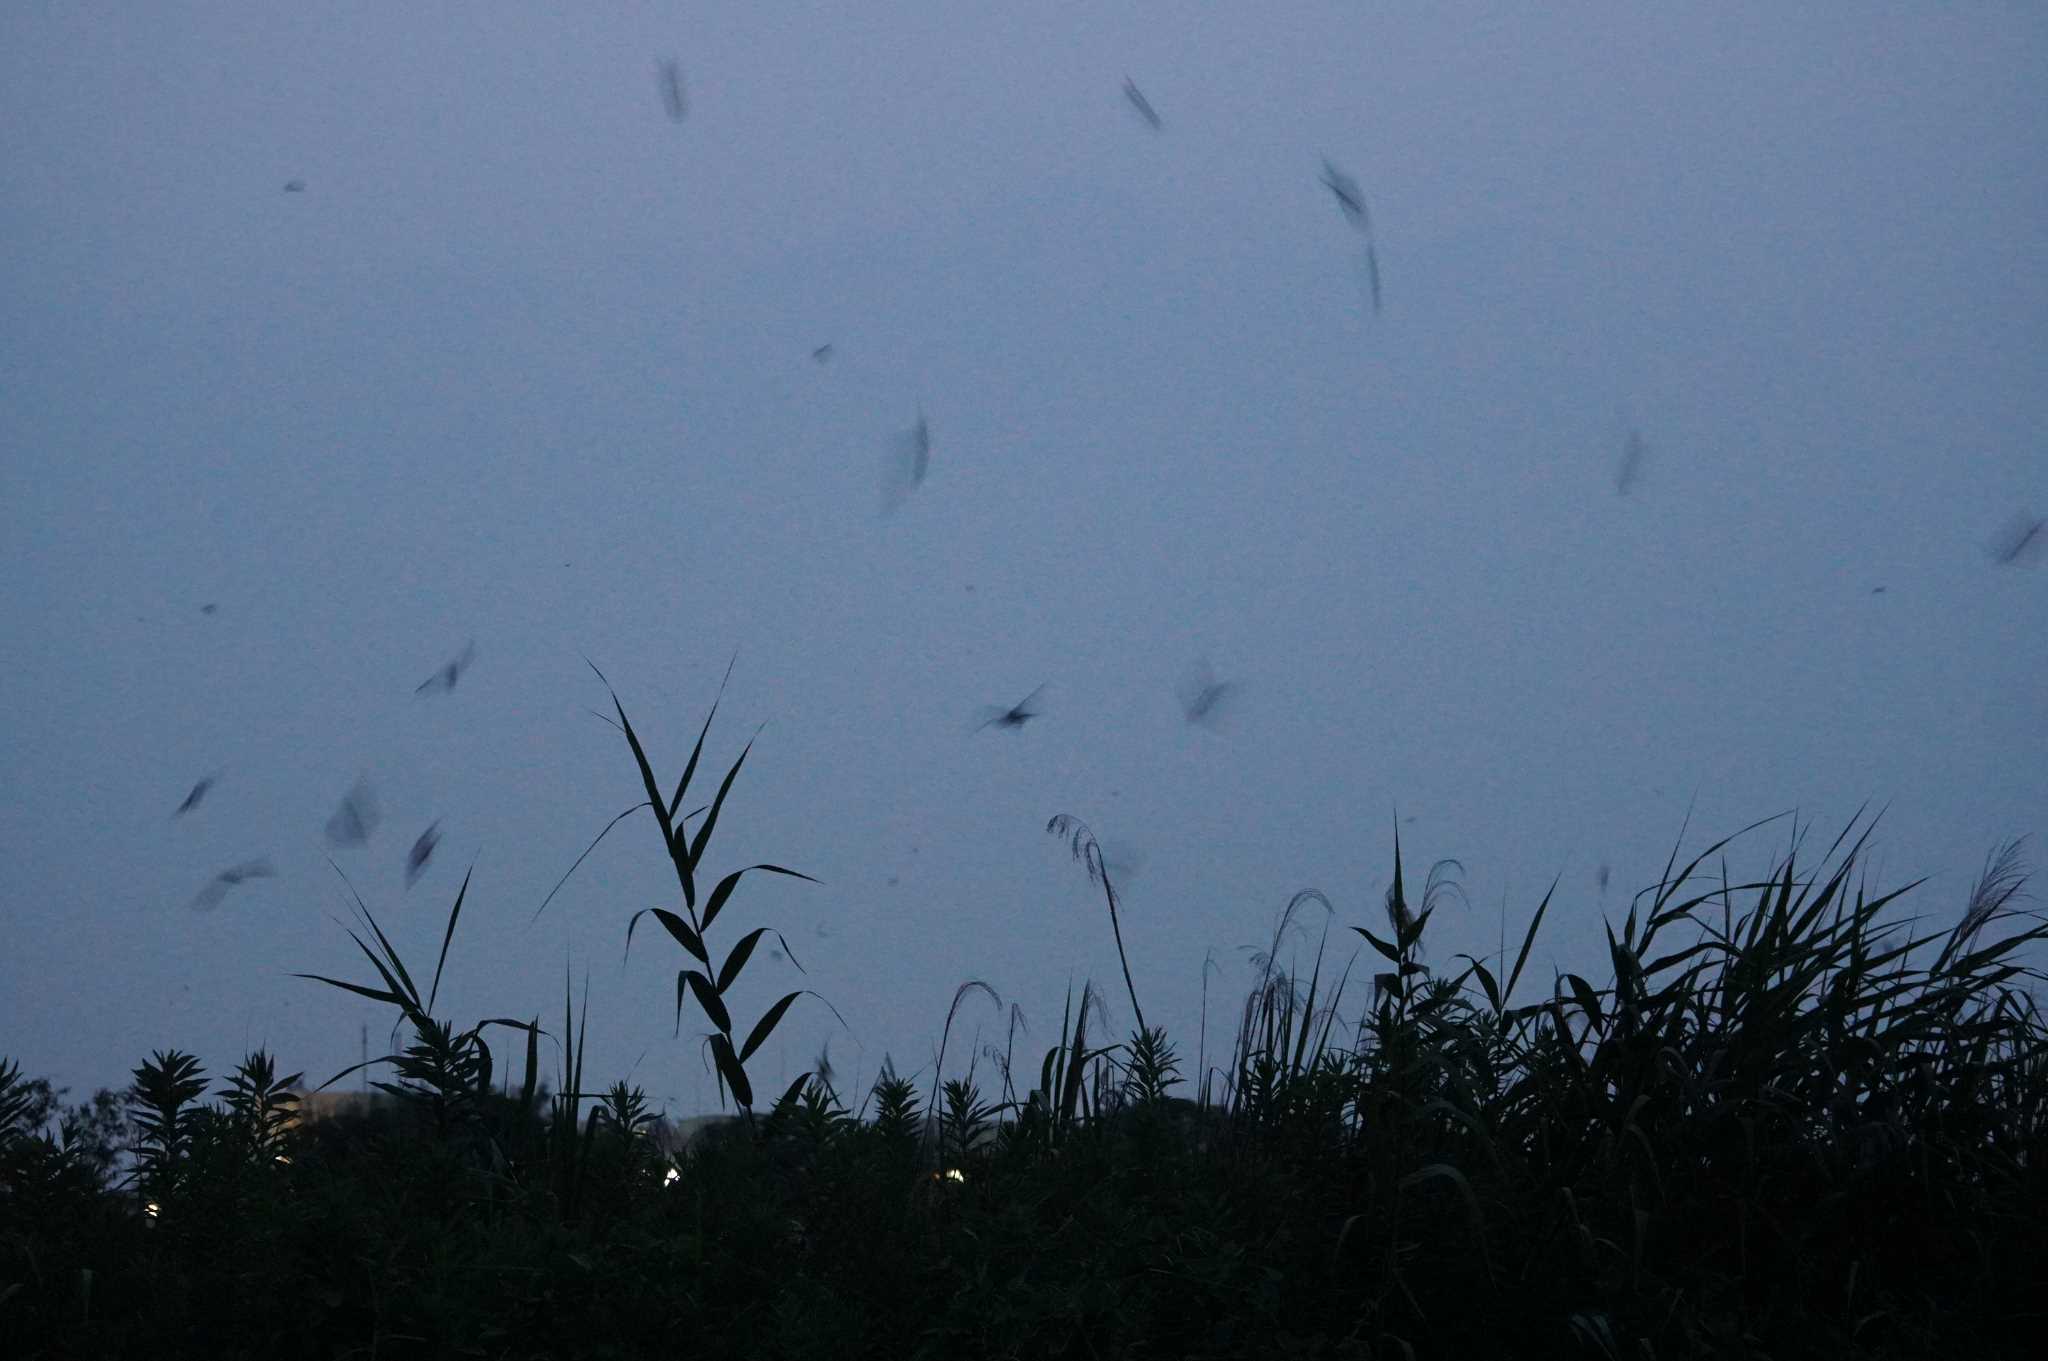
2002	882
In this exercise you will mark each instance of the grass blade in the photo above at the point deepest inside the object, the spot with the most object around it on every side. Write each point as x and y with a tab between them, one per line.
453	913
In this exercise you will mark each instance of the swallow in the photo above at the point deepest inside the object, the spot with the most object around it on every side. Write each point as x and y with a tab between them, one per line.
907	465
355	821
921	452
1602	875
1372	274
1122	860
1348	196
670	78
1631	470
445	678
209	608
2022	539
1016	716
1142	104
821	354
1206	700
198	792
421	852
216	890
295	186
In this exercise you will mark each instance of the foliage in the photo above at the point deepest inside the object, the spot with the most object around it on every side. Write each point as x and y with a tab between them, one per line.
1791	1123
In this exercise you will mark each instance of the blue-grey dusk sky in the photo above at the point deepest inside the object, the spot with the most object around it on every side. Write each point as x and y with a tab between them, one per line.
524	360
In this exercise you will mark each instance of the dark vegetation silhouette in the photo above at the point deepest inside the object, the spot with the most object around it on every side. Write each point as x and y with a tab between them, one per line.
1795	1121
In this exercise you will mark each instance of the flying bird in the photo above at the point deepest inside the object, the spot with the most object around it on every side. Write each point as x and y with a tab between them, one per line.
1206	700
1016	716
1142	104
217	888
670	78
822	353
1631	471
355	821
445	678
209	608
1372	274
2022	540
921	451
295	186
421	852
198	792
1349	198
907	464
1123	860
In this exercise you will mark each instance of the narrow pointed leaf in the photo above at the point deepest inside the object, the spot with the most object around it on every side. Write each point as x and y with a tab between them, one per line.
690	770
680	929
708	998
373	994
737	960
453	913
765	1026
696	851
724	888
1386	948
733	1071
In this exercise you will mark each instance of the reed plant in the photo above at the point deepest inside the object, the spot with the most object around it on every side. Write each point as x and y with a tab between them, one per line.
1791	1120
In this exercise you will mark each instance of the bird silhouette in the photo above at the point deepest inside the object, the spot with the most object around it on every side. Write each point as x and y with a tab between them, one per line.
1016	716
1123	860
822	353
355	821
1142	104
907	465
421	852
2022	540
1348	196
217	888
295	186
198	792
1633	452
444	679
1206	700
669	77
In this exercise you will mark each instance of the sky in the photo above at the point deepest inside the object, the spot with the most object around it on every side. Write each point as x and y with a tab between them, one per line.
383	331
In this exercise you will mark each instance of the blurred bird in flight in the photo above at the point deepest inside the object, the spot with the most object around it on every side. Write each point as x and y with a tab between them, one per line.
1016	716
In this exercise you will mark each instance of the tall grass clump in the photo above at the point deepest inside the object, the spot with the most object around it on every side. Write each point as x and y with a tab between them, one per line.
706	983
1787	1118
